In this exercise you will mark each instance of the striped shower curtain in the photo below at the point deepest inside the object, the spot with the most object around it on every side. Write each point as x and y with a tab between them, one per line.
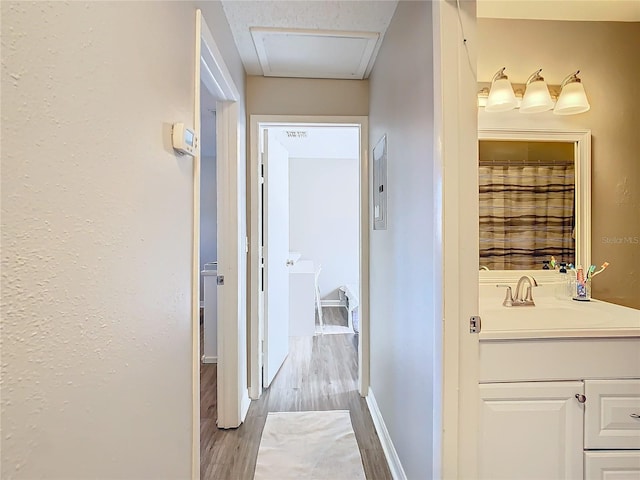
526	215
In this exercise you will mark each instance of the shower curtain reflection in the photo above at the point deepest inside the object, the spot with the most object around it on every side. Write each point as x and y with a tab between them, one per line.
526	214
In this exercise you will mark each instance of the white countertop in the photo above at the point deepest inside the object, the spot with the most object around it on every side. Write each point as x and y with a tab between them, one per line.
555	318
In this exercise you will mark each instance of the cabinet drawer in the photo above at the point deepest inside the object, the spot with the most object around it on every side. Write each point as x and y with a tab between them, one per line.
612	414
618	465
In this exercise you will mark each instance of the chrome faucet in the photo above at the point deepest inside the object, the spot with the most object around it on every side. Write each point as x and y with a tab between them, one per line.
522	298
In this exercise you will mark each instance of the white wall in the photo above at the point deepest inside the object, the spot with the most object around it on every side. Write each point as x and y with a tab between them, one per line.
96	238
323	218
402	296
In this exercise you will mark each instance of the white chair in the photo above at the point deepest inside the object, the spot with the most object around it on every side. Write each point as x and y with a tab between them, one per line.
318	303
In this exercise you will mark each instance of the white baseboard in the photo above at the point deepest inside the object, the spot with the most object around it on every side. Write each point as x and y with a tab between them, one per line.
209	359
332	303
397	472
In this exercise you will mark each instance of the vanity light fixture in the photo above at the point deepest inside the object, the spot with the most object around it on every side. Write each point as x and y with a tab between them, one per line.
536	96
573	98
501	97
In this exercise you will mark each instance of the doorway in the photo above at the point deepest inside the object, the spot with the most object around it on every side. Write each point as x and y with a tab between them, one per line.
212	78
310	242
336	286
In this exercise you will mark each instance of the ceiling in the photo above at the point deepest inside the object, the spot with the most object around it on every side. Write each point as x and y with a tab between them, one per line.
311	38
341	38
577	10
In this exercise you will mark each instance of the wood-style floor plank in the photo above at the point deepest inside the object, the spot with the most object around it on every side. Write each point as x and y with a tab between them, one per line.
320	373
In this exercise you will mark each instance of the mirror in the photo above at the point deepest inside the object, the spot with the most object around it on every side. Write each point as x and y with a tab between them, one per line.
534	198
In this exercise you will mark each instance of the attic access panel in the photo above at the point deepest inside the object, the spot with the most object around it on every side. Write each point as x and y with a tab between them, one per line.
314	53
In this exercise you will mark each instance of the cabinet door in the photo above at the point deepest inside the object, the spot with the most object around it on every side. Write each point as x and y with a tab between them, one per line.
612	414
612	465
531	430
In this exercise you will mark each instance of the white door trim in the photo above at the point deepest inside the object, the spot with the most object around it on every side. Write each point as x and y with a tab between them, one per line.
255	375
232	393
456	159
233	399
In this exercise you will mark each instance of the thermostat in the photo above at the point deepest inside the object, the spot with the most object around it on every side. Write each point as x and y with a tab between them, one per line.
184	139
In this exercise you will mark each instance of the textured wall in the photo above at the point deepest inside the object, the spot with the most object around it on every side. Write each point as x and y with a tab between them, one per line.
402	295
606	53
96	240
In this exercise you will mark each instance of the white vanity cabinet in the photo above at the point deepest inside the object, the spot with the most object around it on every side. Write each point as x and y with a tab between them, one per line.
612	429
560	408
531	430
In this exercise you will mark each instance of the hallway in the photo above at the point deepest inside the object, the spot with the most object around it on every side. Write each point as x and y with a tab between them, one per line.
320	373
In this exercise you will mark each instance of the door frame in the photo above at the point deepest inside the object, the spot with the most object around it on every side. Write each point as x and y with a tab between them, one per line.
255	312
456	412
233	401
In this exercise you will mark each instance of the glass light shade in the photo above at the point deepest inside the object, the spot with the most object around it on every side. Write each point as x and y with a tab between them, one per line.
572	100
536	98
501	97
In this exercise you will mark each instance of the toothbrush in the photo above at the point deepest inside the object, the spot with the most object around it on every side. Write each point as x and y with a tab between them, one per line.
604	265
592	269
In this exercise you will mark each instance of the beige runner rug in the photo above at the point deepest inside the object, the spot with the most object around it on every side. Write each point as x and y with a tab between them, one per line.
309	445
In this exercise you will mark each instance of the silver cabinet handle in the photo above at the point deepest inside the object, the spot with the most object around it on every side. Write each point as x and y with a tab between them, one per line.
581	398
634	415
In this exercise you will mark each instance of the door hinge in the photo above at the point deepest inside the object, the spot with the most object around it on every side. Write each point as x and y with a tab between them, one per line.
475	324
220	279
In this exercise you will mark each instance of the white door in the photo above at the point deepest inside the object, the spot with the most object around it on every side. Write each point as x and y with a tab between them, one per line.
531	430
276	256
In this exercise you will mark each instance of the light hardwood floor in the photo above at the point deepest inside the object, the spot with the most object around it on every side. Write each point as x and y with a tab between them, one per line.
320	373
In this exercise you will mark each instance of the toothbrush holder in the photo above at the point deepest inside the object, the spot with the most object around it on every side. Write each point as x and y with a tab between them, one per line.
582	291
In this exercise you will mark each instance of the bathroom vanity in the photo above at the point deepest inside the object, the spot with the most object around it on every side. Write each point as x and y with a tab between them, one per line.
559	389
